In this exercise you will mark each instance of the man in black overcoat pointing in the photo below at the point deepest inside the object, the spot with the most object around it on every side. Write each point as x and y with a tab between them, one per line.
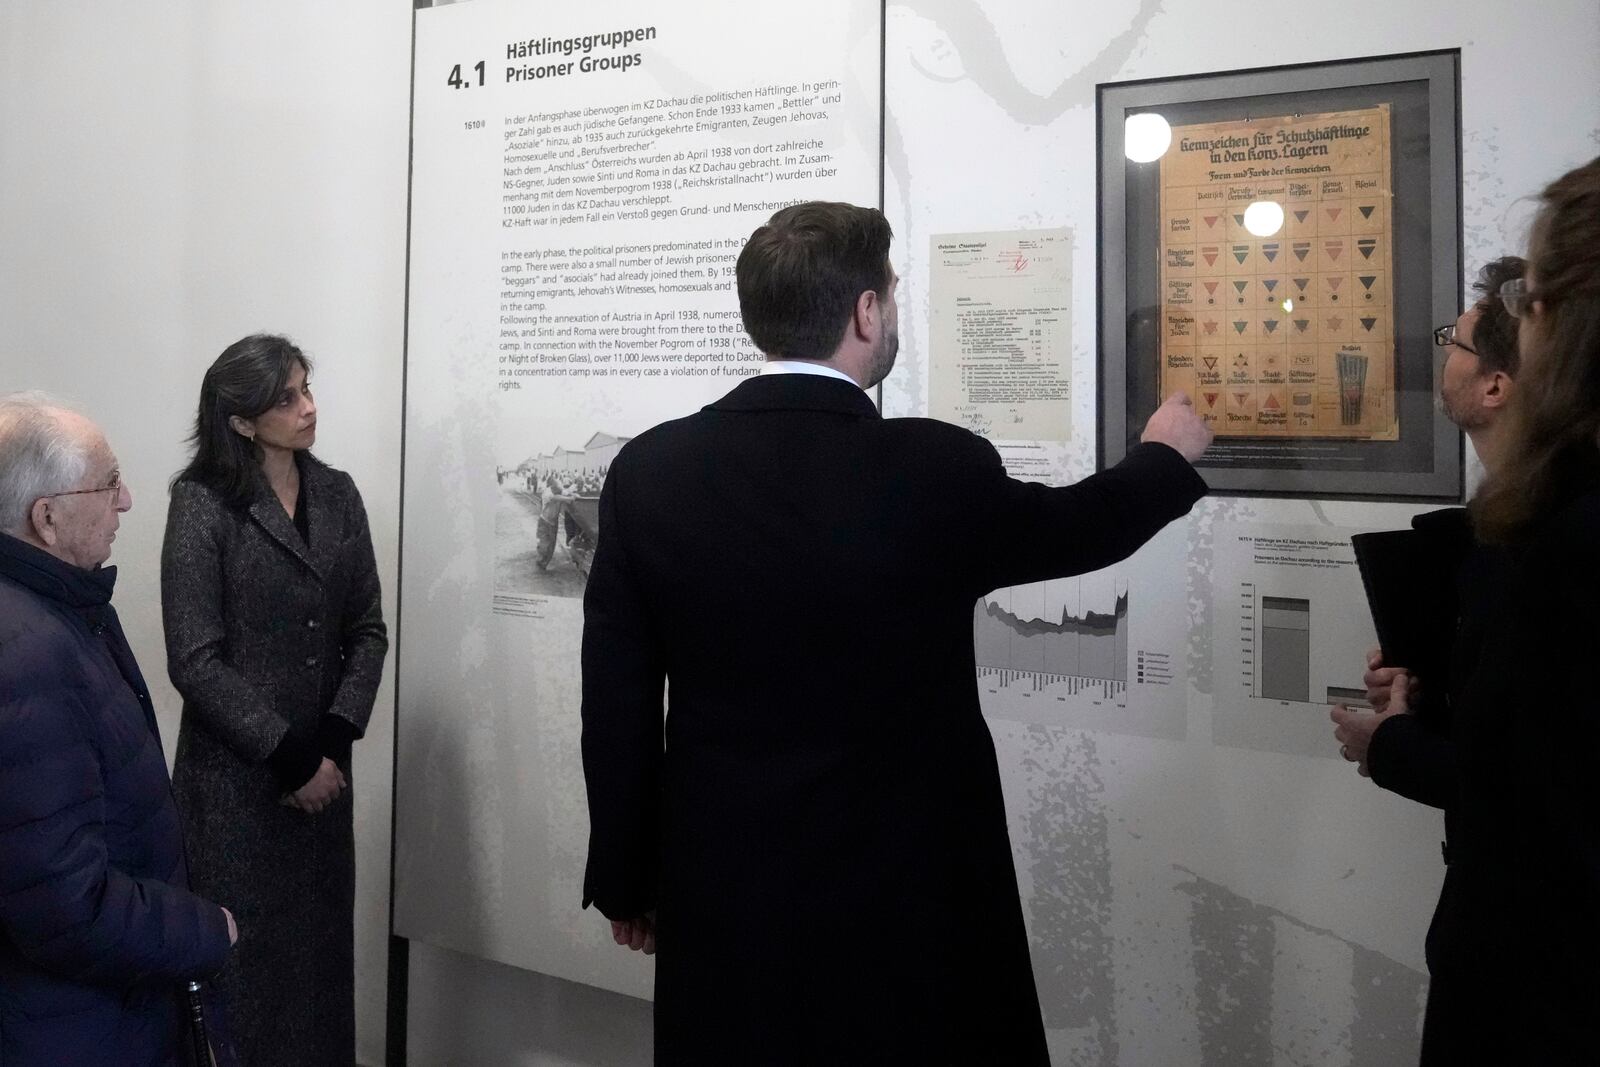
792	792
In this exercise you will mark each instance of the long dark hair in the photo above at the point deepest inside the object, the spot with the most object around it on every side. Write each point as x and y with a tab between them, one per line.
1555	411
246	380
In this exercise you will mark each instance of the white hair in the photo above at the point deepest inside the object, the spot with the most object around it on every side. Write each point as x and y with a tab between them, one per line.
39	454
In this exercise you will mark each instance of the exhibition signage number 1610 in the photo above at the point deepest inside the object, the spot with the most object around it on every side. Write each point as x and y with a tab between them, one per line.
458	81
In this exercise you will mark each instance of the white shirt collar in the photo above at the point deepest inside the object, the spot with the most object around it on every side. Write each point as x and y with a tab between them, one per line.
797	366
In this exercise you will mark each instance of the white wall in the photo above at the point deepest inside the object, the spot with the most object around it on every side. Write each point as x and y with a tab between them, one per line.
174	175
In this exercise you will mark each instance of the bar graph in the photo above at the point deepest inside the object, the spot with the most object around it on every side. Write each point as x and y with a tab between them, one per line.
1285	648
1289	636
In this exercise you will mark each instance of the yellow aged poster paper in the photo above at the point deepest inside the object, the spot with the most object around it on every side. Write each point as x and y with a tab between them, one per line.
1292	334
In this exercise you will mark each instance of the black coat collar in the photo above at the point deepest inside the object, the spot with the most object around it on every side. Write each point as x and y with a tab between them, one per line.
39	571
798	392
317	490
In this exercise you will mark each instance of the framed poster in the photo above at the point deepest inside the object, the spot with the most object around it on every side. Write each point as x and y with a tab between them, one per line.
1280	244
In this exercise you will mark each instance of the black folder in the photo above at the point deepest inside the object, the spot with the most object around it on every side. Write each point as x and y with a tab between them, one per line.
1411	591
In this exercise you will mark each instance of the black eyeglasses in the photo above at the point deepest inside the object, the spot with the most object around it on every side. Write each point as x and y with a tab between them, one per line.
113	486
1445	336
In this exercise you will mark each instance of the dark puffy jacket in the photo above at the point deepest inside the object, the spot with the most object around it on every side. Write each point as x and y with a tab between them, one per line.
97	927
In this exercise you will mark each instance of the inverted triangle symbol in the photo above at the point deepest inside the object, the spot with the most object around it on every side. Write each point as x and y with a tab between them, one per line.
1211	287
1334	248
1270	251
1211	220
1301	215
1335	281
1367	280
1367	210
1367	250
1211	399
1238	325
1210	257
1240	398
1239	286
1367	324
1239	219
1301	283
1301	324
1241	256
1270	284
1210	362
1333	213
1270	324
1301	251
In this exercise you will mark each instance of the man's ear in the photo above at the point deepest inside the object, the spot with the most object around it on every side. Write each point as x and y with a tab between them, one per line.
1497	391
868	311
43	523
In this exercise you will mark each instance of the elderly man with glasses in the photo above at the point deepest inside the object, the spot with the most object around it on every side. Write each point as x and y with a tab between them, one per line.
98	930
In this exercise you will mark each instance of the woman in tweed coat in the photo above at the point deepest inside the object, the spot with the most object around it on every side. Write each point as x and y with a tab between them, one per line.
275	638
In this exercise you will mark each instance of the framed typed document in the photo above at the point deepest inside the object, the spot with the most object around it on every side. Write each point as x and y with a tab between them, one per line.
1279	244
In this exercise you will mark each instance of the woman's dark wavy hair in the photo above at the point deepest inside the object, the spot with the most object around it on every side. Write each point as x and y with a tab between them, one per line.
1554	438
246	380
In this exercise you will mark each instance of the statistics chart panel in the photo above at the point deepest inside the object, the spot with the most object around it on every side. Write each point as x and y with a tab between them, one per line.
1290	636
1103	651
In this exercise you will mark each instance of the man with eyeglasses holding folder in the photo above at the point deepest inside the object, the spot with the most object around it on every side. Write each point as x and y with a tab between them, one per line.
1405	744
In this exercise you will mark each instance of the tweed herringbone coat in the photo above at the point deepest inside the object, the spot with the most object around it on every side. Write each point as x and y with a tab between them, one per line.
266	632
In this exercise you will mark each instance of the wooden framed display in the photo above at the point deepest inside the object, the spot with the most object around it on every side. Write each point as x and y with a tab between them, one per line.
1284	260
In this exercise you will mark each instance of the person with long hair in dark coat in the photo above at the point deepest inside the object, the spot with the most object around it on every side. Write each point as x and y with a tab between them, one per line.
275	639
1514	948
